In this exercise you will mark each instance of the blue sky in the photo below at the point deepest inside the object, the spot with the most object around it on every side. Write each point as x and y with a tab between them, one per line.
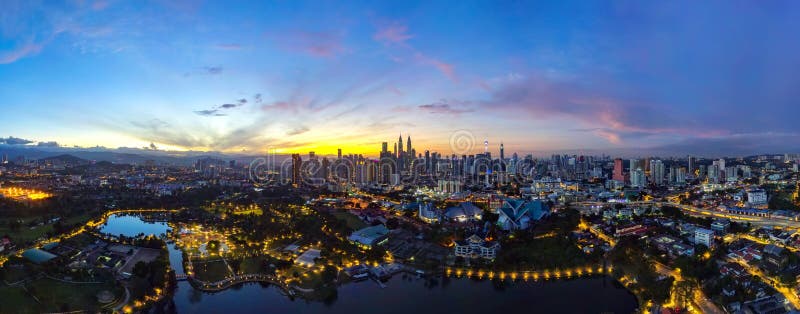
300	76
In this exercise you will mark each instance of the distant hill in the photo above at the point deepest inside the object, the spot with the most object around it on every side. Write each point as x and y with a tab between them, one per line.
65	159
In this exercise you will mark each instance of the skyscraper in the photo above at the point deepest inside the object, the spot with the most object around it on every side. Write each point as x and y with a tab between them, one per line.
618	174
657	171
384	148
400	146
638	178
339	153
634	163
502	152
408	145
297	164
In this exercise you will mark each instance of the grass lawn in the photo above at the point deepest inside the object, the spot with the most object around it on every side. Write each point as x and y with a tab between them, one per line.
13	274
16	300
211	271
352	221
54	296
25	233
252	265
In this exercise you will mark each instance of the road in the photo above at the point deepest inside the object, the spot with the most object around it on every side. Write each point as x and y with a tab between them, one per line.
786	292
710	212
699	298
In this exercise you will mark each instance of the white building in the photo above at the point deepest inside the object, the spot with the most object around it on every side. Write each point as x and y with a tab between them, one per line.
756	197
476	247
449	186
704	236
428	213
637	178
657	171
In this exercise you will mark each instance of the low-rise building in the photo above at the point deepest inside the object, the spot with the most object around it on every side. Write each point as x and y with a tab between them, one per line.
463	212
428	213
516	214
672	245
757	197
370	237
476	247
720	226
704	236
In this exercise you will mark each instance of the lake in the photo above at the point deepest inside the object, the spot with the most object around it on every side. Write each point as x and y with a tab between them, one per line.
402	294
131	226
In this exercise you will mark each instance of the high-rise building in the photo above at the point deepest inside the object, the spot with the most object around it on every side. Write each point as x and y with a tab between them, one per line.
691	165
634	163
680	175
408	146
502	152
297	164
400	146
618	174
339	153
657	172
713	173
638	178
731	174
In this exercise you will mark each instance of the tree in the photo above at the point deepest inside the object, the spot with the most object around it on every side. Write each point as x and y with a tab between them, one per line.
392	223
329	274
213	246
140	269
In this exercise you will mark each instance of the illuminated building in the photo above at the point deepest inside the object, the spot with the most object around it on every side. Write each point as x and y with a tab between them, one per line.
476	247
428	213
657	171
618	174
297	164
638	178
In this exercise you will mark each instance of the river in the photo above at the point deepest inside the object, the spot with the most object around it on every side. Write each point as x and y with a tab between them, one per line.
404	294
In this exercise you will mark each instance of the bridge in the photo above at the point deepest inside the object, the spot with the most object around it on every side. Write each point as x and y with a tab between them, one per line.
230	281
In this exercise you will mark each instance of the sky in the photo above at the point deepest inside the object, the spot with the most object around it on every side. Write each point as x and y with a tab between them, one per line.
297	76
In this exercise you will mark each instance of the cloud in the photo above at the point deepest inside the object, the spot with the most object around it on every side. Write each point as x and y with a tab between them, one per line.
47	144
317	44
601	105
20	52
298	130
232	47
99	5
217	111
210	113
447	69
213	70
394	33
743	144
446	106
14	141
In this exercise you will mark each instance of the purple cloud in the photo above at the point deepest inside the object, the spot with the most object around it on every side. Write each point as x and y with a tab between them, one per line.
445	106
392	34
317	44
19	53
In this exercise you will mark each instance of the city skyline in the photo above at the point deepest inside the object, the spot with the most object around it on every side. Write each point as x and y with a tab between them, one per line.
593	77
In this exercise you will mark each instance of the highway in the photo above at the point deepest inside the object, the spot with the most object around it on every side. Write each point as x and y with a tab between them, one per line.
709	212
